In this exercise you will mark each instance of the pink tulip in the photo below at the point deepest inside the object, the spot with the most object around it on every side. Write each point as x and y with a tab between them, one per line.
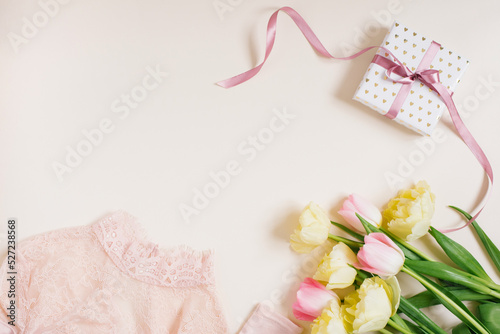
357	204
380	255
312	298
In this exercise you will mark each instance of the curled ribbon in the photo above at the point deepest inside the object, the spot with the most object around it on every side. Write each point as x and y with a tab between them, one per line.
430	78
427	76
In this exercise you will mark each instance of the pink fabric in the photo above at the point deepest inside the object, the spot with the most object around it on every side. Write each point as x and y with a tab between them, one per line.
264	321
6	329
109	278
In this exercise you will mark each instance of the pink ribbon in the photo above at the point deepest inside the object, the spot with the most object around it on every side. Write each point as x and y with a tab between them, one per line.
271	36
430	78
427	76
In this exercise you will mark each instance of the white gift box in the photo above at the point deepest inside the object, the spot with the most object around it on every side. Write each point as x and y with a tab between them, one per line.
423	107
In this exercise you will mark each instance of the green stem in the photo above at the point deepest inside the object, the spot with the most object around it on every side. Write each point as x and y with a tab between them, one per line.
398	327
385	331
489	284
348	230
407	245
495	294
348	242
419	278
361	274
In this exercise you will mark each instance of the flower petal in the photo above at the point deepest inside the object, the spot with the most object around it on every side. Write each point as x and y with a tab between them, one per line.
384	239
312	298
352	219
409	214
366	209
313	229
380	255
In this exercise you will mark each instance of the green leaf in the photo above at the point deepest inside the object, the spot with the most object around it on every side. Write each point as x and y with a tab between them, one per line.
458	254
400	326
461	329
457	312
445	272
348	230
362	274
399	321
365	223
353	245
416	329
419	317
368	227
452	303
490	247
408	253
490	316
426	298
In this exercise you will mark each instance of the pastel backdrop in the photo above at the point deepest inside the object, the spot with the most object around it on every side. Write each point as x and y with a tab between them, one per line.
129	86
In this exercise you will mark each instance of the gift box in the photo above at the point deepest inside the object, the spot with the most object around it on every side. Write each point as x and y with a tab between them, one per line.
419	107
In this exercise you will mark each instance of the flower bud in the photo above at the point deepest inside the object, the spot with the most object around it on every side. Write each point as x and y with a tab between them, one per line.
409	214
380	255
330	321
312	298
313	229
357	204
370	307
335	269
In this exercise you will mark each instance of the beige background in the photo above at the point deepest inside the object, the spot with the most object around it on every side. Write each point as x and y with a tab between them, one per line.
69	74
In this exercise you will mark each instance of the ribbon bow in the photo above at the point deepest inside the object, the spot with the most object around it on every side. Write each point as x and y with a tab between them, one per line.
428	77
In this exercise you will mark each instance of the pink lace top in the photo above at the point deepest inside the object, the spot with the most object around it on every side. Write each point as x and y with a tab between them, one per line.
108	278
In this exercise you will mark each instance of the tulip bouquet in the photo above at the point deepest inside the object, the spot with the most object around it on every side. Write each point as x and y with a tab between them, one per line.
368	263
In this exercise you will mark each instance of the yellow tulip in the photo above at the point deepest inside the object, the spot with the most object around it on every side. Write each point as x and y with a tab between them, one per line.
330	321
312	231
409	214
370	307
334	269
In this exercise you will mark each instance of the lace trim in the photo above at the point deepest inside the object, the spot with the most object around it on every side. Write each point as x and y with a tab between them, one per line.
126	243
